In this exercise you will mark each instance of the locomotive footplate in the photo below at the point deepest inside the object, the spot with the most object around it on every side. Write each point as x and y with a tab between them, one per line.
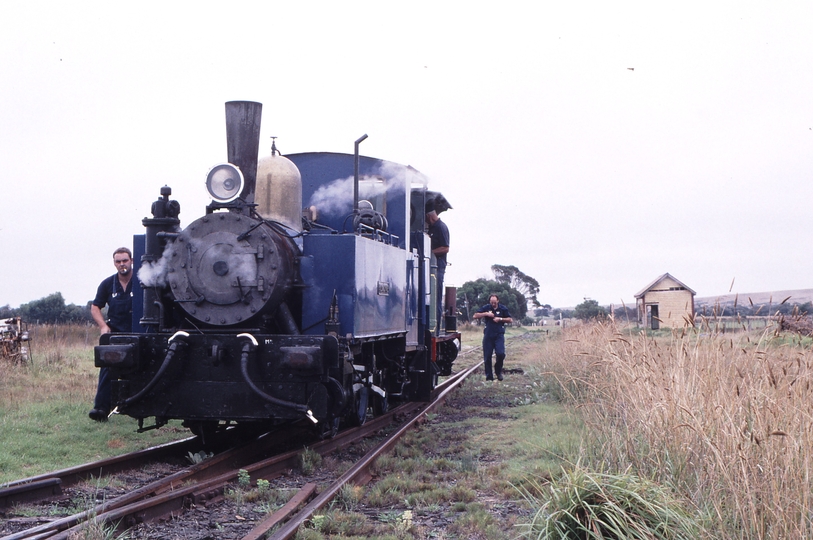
238	377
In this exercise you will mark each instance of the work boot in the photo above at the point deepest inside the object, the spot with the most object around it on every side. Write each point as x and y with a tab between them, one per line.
98	414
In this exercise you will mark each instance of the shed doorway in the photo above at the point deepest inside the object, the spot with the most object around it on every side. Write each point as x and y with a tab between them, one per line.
652	317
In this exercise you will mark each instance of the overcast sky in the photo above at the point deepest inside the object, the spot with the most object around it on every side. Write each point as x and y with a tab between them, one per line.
594	145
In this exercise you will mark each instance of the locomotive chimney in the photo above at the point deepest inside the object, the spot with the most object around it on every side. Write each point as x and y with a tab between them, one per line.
243	141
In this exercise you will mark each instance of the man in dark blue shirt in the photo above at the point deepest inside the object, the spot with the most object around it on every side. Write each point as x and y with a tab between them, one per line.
115	292
439	234
495	316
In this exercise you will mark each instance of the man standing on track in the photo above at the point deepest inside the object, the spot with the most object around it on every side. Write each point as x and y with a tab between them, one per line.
116	292
496	317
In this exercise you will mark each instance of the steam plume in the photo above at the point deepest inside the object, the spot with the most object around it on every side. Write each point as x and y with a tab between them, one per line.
154	274
337	196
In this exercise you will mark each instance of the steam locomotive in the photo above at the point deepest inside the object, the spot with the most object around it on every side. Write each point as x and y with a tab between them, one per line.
261	312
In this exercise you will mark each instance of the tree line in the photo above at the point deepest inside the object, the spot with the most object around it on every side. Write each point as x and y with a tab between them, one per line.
516	290
49	310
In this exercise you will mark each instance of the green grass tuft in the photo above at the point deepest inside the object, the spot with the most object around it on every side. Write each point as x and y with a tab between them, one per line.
585	505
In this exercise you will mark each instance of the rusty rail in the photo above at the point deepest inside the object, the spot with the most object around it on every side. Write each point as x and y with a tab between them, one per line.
360	473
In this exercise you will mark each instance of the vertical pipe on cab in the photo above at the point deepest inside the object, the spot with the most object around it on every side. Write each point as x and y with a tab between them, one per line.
243	141
356	174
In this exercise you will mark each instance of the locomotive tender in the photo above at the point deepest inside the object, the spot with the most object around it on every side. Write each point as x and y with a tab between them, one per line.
262	312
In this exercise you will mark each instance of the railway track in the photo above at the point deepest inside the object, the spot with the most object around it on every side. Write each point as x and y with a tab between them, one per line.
204	482
37	488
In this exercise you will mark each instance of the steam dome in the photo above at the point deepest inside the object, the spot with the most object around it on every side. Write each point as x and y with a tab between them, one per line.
279	191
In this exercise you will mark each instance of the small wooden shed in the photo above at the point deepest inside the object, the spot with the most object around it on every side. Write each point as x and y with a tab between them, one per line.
666	302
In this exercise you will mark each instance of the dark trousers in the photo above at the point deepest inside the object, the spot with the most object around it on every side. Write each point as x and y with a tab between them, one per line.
103	391
440	276
491	345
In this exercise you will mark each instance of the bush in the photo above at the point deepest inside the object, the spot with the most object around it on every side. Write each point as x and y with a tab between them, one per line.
589	309
583	505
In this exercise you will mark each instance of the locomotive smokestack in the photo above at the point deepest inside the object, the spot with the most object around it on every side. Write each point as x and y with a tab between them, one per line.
243	141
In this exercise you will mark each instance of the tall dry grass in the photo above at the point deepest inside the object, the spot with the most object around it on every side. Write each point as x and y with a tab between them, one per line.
60	367
726	420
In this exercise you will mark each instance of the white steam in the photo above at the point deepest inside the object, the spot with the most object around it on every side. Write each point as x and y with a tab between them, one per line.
402	175
334	197
154	274
337	196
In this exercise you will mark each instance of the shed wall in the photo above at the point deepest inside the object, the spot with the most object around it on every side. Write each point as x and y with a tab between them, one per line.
674	307
675	303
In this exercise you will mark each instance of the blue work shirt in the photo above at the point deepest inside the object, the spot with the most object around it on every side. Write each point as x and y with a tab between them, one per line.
119	302
494	328
439	233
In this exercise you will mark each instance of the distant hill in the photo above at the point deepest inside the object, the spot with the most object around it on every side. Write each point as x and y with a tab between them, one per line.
798	296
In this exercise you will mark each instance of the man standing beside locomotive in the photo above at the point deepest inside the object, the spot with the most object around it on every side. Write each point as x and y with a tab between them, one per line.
496	317
439	233
116	292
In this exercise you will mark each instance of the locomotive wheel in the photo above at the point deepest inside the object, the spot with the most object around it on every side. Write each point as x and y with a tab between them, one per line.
381	405
358	413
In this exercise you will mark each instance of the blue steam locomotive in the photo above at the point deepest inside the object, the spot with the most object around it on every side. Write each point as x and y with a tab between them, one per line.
261	312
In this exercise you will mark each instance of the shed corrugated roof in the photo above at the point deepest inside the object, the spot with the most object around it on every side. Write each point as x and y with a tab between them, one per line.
658	280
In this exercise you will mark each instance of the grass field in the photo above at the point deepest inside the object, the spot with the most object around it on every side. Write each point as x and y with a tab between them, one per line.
720	423
44	404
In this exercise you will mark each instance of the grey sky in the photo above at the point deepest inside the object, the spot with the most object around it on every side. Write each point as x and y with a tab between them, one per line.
593	145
